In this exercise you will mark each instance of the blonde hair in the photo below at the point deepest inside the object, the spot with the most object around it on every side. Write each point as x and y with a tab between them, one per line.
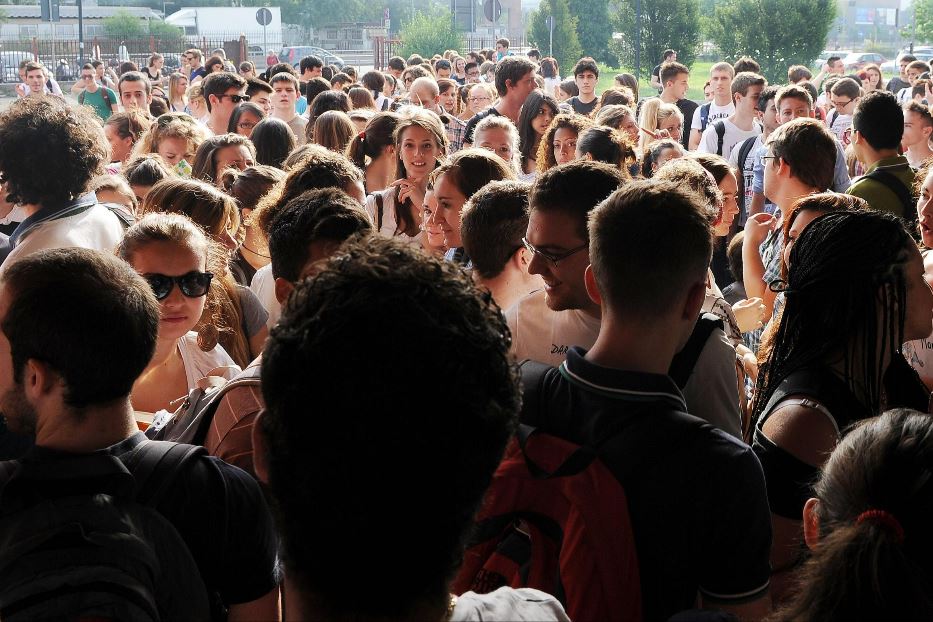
214	326
502	123
653	112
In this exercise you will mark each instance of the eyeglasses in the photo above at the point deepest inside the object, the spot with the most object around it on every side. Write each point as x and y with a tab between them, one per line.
839	104
246	125
478	99
194	284
765	158
236	99
553	259
473	73
87	77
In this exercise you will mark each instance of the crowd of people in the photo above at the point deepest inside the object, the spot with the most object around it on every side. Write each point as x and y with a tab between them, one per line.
464	340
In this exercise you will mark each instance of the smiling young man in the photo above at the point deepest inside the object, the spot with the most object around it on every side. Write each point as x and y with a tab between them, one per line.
844	96
586	76
135	91
515	80
722	106
284	97
676	81
223	92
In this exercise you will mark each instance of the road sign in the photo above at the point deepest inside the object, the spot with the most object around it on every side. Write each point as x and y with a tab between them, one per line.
492	9
264	16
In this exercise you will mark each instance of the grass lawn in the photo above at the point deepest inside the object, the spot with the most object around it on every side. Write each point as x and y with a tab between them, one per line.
699	74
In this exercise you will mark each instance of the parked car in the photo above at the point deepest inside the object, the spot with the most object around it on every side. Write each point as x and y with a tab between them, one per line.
172	63
891	68
826	54
294	54
9	64
857	60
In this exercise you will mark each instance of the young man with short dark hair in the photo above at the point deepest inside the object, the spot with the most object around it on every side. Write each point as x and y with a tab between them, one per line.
744	153
722	106
284	97
586	77
223	93
534	55
310	67
899	81
135	91
797	74
502	48
69	390
667	56
368	293
722	135
472	72
492	226
675	79
396	66
844	96
918	127
103	100
877	130
515	80
260	93
442	68
194	58
697	499
746	63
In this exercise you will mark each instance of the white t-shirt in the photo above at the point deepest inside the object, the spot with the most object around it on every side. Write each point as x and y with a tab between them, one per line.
550	86
716	112
199	363
732	136
96	228
543	335
838	123
389	225
507	603
263	285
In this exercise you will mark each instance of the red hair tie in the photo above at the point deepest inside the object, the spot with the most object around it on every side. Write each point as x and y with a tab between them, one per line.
885	518
362	135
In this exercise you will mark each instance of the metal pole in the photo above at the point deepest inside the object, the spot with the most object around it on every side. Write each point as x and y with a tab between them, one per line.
550	47
81	33
265	45
637	39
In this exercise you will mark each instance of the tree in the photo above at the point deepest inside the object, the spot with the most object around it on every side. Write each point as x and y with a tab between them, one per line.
673	24
165	32
594	28
124	25
776	33
429	32
923	21
567	49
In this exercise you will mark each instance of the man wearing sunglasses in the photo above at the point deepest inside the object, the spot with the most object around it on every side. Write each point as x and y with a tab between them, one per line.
90	93
223	92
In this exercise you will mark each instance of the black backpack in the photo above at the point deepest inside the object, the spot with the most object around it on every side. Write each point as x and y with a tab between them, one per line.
720	128
80	539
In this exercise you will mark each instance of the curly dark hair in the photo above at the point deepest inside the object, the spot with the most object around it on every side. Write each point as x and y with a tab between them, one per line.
383	479
38	131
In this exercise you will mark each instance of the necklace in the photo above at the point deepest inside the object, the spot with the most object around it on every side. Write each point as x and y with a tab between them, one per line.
248	249
451	605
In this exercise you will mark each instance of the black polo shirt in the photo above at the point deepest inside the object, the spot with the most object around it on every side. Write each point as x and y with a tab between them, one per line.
475	119
221	514
696	495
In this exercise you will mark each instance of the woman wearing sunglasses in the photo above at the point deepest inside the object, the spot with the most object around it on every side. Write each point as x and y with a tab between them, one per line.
177	259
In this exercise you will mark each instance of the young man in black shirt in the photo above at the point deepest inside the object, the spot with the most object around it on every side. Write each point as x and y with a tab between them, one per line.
515	80
669	56
697	500
675	79
69	389
586	75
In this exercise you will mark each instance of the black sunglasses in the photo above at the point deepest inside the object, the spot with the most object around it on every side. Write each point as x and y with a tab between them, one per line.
193	284
236	99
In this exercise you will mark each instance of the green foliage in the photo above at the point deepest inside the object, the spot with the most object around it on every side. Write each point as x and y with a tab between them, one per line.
567	49
923	21
165	32
673	24
594	28
124	25
750	27
429	32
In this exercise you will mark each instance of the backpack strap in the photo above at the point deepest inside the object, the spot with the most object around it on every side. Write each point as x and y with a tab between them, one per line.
704	116
833	117
895	185
158	457
105	95
685	360
250	377
720	136
744	151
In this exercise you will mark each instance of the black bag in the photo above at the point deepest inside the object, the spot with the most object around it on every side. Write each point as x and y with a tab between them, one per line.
80	538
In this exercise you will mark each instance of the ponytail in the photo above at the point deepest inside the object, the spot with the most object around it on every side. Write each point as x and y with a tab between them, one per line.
375	137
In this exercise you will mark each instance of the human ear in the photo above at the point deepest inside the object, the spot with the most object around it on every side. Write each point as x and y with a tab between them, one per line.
811	523
258	437
592	287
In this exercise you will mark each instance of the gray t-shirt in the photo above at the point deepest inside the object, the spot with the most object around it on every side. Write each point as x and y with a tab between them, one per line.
254	314
508	604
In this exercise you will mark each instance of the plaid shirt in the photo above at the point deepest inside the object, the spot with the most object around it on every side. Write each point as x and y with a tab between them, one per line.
456	129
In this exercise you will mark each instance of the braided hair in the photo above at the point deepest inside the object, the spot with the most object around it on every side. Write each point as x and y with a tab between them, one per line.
846	282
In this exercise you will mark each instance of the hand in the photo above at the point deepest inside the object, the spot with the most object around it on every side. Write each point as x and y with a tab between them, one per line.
826	68
662	134
750	365
411	188
749	314
758	226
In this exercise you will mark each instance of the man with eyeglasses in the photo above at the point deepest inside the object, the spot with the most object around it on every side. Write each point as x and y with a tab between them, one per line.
515	80
472	73
223	92
100	98
194	58
844	96
547	323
